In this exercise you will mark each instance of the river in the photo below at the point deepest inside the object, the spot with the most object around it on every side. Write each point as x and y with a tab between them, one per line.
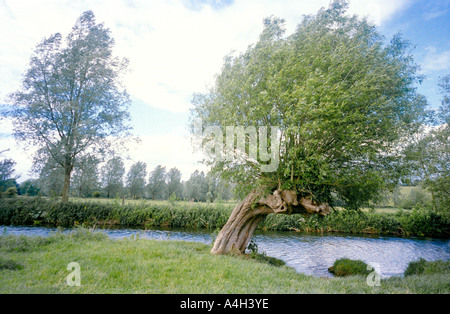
310	254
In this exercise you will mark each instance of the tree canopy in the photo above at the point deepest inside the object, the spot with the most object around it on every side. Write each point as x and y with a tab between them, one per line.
72	103
7	180
427	153
135	179
112	176
157	185
340	95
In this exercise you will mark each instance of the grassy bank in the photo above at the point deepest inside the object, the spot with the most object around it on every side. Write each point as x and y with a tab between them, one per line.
39	265
32	211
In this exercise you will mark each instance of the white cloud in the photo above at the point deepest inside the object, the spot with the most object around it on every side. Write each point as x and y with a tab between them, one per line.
436	60
378	11
436	9
173	51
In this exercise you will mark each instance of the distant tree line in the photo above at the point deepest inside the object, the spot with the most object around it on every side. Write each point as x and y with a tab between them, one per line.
110	180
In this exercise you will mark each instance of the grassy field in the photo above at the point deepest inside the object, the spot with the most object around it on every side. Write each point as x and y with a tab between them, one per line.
228	204
39	265
133	202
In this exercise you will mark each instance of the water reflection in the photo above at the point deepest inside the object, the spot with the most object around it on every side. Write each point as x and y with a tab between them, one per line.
311	254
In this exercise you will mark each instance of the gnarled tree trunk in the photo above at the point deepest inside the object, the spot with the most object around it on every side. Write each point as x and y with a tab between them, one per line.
236	233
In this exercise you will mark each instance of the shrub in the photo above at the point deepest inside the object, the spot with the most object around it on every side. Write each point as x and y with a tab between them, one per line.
9	264
22	210
424	222
421	266
347	267
11	192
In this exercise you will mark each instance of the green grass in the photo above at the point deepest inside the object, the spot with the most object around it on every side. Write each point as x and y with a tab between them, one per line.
422	266
133	265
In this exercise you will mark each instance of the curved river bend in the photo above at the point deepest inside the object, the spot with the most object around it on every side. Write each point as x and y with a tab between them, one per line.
310	254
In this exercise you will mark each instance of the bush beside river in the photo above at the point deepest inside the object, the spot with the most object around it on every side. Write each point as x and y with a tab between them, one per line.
42	211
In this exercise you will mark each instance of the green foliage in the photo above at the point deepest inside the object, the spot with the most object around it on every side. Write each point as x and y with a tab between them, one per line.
418	222
6	174
22	243
11	192
427	153
30	187
112	176
440	188
35	210
173	198
23	210
346	267
9	264
421	267
71	103
157	185
136	179
424	222
84	179
341	97
411	197
81	234
337	221
28	211
197	187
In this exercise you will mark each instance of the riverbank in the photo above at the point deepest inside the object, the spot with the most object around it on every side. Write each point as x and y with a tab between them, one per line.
134	265
42	211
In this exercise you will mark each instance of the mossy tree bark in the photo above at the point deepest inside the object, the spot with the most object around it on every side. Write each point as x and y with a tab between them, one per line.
237	232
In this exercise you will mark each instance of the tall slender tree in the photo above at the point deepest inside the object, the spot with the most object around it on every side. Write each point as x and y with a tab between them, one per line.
72	103
85	177
197	187
112	176
174	185
7	170
136	179
157	187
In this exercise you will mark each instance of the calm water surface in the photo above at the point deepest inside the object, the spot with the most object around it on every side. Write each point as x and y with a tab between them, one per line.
311	254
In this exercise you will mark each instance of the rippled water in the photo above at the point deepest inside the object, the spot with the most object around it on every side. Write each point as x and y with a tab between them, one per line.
311	254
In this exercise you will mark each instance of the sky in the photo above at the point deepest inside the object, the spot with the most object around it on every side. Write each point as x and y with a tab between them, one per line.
175	47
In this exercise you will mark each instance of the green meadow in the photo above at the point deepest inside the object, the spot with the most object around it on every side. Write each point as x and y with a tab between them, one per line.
134	265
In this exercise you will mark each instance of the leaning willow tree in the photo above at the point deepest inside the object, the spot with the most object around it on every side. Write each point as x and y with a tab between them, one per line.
336	99
72	104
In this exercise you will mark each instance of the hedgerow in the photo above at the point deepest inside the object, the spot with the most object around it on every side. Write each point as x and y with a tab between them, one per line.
36	210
